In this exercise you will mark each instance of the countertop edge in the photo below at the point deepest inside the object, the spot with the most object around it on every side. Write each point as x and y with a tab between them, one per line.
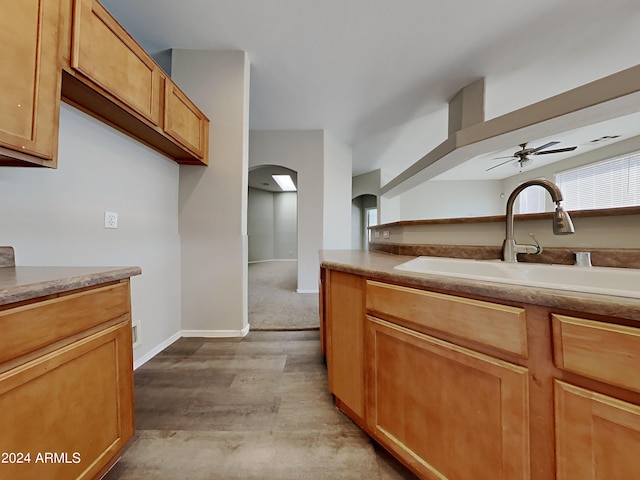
380	266
68	279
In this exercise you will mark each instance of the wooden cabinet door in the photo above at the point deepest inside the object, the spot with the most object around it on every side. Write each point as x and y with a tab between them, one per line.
75	402
446	411
105	53
30	80
184	122
597	436
345	344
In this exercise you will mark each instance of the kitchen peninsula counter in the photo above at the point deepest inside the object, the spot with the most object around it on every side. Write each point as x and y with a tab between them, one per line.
521	378
380	265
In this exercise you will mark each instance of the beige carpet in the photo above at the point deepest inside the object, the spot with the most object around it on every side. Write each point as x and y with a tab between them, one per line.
274	303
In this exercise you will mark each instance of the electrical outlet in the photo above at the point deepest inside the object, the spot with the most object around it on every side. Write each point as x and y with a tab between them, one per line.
376	234
110	220
385	234
136	332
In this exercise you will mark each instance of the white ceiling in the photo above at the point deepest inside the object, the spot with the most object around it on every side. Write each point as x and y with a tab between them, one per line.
358	68
588	138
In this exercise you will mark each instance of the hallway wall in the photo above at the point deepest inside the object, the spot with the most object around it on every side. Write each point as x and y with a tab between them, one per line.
56	217
272	225
212	208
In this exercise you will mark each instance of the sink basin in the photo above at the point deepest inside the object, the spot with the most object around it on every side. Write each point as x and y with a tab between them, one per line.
624	282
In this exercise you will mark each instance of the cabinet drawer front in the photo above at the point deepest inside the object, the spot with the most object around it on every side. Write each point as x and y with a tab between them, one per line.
106	54
602	351
184	122
499	326
597	436
59	318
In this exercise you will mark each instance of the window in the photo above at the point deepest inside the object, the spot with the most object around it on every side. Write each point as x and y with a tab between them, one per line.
532	200
609	184
372	220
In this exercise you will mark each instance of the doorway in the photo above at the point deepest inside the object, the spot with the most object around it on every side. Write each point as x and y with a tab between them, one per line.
364	209
272	228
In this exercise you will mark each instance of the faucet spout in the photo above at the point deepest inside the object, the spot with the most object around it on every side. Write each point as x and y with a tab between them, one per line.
562	224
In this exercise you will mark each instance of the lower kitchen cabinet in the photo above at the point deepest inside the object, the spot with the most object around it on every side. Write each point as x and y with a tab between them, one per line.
66	395
462	387
446	411
344	303
597	436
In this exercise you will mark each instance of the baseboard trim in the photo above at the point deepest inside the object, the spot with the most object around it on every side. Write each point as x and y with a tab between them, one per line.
216	333
306	291
149	355
274	260
190	333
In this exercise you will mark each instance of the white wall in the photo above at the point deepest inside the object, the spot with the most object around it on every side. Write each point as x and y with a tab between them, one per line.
272	225
285	225
359	208
449	199
617	149
337	193
56	217
260	225
356	223
396	148
213	200
302	151
366	184
575	62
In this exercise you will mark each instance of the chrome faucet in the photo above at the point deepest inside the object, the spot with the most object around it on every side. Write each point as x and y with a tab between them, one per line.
562	224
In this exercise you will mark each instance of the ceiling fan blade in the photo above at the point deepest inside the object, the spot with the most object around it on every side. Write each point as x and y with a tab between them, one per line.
500	158
568	149
495	166
543	147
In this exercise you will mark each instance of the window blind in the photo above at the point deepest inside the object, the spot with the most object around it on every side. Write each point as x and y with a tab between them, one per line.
608	184
532	200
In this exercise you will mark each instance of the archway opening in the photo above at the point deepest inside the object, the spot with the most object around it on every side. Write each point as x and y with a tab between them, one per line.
364	214
272	229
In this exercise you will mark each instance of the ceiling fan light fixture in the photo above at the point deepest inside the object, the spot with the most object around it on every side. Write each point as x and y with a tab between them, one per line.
522	156
523	162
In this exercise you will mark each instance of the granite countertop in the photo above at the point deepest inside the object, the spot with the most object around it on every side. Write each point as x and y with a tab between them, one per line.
380	265
25	283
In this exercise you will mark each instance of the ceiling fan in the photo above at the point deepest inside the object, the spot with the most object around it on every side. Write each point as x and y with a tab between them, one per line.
522	155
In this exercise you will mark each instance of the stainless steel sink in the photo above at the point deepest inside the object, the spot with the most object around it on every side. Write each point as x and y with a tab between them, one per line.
624	282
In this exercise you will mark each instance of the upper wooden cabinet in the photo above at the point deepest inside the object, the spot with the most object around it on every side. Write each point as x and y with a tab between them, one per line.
106	54
110	76
29	82
75	47
184	122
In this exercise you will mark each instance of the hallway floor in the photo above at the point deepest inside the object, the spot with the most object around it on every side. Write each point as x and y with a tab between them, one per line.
256	408
273	301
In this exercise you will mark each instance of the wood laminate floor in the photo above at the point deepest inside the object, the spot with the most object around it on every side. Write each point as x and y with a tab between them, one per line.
256	408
